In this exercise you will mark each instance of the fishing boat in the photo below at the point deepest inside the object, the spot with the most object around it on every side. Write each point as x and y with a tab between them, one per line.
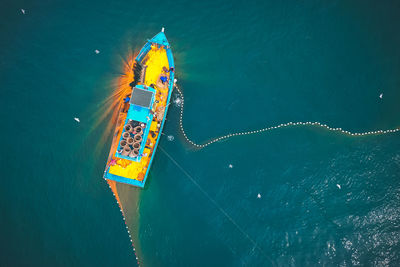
142	114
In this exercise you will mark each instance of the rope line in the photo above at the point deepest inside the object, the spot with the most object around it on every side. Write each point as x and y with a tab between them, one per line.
217	205
126	225
282	125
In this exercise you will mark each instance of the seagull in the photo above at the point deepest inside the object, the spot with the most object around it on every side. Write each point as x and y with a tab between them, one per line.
77	119
23	11
380	96
97	51
259	195
230	166
338	186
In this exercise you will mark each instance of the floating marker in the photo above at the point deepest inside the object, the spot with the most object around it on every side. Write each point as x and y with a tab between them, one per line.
77	119
380	96
97	51
178	102
230	166
259	195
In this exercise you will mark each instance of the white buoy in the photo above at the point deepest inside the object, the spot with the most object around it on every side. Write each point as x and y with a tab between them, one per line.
23	11
178	102
338	186
97	51
259	195
77	119
380	96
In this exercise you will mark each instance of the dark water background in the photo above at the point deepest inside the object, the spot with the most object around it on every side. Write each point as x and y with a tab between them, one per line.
242	65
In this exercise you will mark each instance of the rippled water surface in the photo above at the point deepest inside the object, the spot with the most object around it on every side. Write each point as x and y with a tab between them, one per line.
324	198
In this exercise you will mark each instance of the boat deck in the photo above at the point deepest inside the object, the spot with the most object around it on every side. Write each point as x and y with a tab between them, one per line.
122	169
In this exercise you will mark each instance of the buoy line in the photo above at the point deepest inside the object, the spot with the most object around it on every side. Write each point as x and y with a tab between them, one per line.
126	226
282	125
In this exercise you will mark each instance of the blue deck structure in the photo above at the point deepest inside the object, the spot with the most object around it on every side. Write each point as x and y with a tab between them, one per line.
142	113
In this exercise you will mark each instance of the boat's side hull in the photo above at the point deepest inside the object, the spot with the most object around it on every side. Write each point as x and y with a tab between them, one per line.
170	89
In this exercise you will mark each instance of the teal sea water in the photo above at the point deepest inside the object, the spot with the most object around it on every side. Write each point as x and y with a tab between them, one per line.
242	65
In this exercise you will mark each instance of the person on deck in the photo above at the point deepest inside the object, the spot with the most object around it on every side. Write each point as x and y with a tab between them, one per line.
163	79
126	103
